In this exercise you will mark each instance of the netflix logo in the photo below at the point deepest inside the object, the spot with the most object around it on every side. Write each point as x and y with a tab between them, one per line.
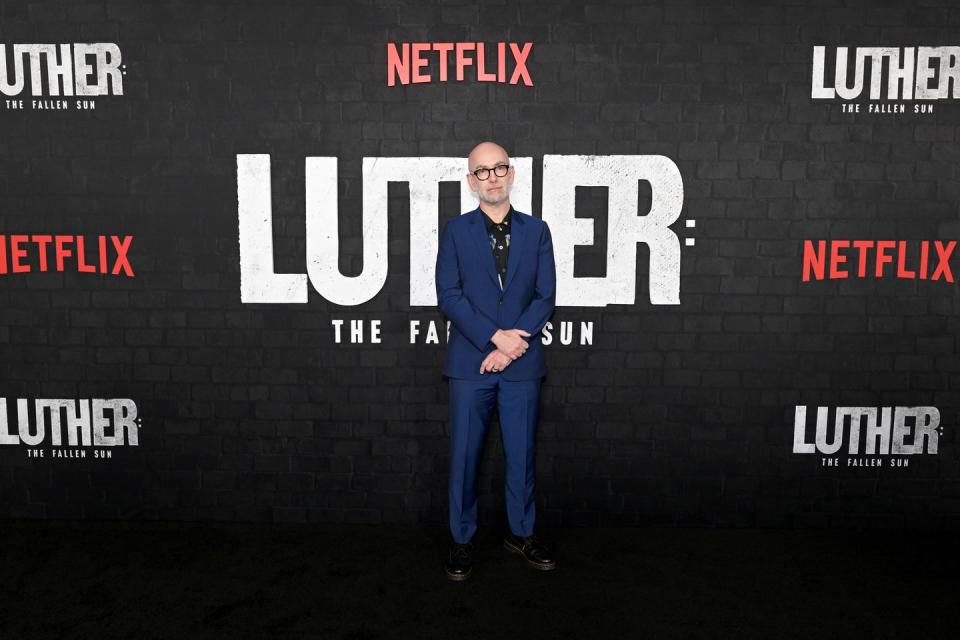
100	254
839	259
421	62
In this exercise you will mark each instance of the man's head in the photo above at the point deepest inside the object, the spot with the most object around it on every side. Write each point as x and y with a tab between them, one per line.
485	161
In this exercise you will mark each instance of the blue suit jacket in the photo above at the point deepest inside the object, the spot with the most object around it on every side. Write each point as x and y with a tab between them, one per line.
469	294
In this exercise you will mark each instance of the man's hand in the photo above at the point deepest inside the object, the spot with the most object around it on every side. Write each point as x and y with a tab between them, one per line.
495	361
511	342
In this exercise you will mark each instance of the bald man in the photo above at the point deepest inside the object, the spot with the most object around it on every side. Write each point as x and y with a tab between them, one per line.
496	282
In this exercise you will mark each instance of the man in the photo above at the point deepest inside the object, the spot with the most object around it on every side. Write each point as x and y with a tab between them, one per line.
496	282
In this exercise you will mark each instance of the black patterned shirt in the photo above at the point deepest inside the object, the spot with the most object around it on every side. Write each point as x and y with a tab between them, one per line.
499	235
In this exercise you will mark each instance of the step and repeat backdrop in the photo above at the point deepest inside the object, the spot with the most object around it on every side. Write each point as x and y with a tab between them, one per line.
219	224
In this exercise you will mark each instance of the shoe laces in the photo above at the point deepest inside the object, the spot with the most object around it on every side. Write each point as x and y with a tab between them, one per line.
461	551
535	544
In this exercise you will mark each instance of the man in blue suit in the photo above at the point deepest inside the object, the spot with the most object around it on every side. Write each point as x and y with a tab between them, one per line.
496	282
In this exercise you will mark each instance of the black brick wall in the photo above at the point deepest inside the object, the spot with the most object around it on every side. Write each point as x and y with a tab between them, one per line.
676	415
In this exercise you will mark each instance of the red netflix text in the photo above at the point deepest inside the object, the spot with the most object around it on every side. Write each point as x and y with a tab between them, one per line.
406	64
912	260
100	254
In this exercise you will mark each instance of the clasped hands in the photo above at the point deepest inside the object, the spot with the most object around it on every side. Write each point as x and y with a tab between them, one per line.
510	346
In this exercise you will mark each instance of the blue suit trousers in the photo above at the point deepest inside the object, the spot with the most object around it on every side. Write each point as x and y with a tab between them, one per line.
471	408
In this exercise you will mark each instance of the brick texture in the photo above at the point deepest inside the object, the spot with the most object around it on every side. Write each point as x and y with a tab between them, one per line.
676	415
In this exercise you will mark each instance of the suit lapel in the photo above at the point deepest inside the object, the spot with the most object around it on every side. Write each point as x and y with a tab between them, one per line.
479	233
517	237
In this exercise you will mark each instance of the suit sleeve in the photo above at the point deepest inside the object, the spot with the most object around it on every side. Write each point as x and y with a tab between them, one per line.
540	308
473	324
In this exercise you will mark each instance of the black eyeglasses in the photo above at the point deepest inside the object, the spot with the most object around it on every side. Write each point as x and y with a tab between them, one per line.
483	173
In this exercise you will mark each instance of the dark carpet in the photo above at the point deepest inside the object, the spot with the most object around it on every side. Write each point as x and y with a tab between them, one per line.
152	580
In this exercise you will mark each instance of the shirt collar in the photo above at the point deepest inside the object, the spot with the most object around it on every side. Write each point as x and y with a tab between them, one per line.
490	223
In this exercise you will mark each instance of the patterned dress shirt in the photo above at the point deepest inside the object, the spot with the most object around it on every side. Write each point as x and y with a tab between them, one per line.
499	235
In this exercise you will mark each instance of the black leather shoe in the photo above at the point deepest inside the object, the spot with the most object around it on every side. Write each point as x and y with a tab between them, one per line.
460	561
534	550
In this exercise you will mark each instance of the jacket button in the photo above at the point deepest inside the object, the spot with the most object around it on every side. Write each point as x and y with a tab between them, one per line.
501	301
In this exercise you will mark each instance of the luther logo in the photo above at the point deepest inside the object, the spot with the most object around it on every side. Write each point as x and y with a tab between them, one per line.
628	225
886	76
69	427
424	62
867	436
47	72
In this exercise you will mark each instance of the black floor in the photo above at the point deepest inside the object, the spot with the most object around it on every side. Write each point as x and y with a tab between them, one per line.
65	580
